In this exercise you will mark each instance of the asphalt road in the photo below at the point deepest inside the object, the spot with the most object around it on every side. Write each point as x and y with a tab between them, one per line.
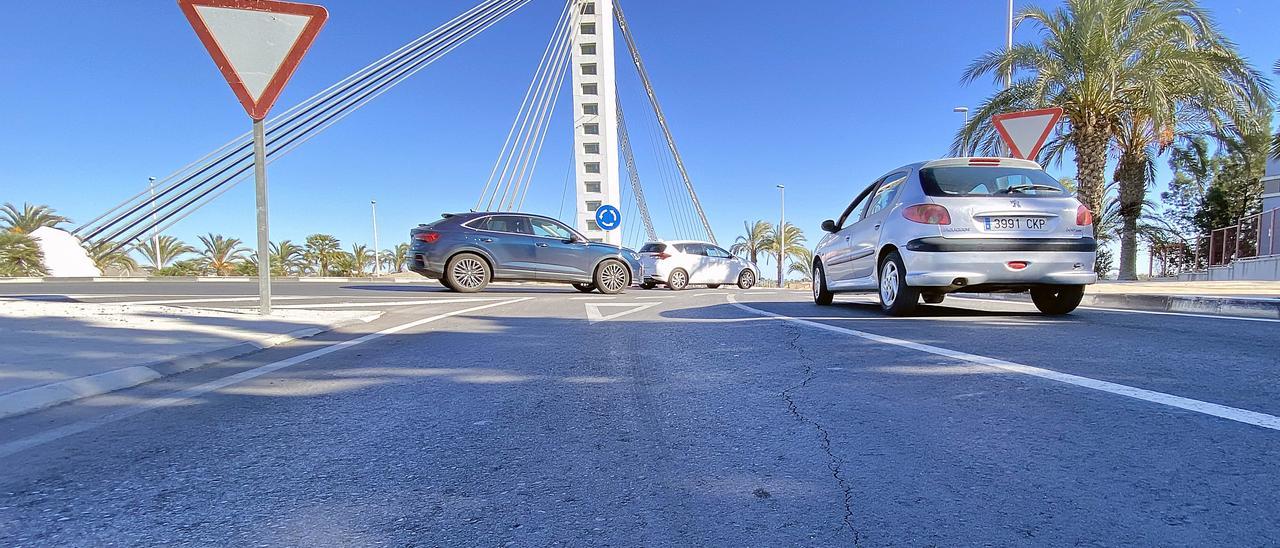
542	417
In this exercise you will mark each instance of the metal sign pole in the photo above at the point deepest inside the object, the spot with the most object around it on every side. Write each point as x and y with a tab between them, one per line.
264	236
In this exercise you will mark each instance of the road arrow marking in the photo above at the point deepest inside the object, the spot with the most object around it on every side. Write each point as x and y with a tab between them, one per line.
594	315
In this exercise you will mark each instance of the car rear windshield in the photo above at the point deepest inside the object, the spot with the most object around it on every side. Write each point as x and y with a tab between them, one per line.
653	248
989	181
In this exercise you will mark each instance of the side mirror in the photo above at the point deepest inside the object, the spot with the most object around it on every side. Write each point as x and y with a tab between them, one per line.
830	226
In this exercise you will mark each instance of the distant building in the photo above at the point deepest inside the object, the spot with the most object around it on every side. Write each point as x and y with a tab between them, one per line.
1271	185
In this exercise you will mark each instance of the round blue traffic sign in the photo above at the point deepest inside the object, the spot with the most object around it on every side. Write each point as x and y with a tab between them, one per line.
608	217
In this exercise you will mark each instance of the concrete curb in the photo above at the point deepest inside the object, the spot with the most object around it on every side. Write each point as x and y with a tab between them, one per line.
220	279
49	395
1236	307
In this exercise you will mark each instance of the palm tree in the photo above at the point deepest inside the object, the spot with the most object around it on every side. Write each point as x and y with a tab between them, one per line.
1106	62
360	258
29	218
803	265
400	257
793	240
107	256
20	255
221	253
749	245
322	250
286	258
161	251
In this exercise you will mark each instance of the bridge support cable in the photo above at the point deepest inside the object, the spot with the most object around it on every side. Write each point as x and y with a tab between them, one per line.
662	120
299	124
633	175
516	143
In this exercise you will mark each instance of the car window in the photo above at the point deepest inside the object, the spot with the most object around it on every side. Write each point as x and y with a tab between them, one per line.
653	248
549	229
513	224
885	194
988	181
860	201
691	249
713	251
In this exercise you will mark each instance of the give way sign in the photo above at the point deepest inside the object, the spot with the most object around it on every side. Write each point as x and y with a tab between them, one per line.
257	44
1026	132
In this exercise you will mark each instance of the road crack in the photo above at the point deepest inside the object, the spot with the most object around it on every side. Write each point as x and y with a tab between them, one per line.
834	462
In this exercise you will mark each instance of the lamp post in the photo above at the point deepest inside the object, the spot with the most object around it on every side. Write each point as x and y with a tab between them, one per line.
964	151
377	261
782	229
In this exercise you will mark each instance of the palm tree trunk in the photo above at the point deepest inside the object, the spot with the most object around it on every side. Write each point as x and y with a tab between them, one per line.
1131	175
1091	167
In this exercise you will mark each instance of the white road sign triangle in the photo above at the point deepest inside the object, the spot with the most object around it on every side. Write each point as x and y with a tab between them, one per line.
594	314
257	44
1026	132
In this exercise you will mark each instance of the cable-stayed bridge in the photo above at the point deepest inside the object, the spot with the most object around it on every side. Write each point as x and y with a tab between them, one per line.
579	58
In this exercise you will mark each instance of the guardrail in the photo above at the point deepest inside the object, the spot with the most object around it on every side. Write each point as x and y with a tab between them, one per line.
1251	237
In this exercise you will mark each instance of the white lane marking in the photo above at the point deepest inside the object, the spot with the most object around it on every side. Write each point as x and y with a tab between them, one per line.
1123	311
594	315
210	300
1222	411
184	395
383	303
591	297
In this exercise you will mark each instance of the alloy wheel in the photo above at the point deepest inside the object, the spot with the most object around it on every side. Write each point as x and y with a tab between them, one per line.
889	283
469	273
613	276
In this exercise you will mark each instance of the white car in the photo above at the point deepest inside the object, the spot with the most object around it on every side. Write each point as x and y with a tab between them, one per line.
959	225
681	263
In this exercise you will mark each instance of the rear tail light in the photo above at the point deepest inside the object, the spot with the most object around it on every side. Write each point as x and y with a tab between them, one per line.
1084	217
663	255
1017	265
984	161
428	237
929	214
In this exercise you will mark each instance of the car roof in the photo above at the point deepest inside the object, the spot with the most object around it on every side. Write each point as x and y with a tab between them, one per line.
466	216
680	242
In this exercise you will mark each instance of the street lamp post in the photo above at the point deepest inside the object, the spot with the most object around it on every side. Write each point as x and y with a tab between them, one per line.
964	151
377	262
782	229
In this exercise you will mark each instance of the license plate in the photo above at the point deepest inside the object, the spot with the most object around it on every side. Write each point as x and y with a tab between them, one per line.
1000	224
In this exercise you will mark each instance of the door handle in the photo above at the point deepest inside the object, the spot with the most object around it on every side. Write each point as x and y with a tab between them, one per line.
486	240
877	227
540	244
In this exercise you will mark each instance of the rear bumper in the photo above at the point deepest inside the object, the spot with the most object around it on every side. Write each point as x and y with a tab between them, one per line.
963	245
967	268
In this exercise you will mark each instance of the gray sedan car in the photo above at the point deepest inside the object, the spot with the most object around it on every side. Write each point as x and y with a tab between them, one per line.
466	251
959	224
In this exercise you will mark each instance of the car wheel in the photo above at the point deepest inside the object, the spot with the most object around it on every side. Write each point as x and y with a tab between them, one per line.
612	277
648	285
821	295
585	288
747	279
896	297
1057	300
678	279
933	298
467	273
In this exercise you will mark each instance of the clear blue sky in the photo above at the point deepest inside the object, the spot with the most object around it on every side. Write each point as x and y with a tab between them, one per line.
819	96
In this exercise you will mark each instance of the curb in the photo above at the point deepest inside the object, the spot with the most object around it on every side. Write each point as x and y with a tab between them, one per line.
1189	304
49	395
220	279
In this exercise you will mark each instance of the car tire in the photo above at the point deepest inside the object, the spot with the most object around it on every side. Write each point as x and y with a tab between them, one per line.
747	279
821	295
678	279
467	273
585	288
896	297
933	298
648	285
612	277
1057	300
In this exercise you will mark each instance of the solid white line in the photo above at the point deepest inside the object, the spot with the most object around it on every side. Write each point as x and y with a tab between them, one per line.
383	303
184	395
1230	413
1124	311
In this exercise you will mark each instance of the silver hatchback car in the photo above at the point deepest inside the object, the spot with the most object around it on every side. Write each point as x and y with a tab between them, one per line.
959	225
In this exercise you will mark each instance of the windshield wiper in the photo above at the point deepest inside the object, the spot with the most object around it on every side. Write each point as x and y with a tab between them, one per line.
1020	188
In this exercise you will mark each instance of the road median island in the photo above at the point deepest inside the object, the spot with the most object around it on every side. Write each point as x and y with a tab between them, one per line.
56	352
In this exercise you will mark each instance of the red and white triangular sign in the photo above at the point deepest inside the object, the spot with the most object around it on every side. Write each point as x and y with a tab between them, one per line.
257	44
1025	132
